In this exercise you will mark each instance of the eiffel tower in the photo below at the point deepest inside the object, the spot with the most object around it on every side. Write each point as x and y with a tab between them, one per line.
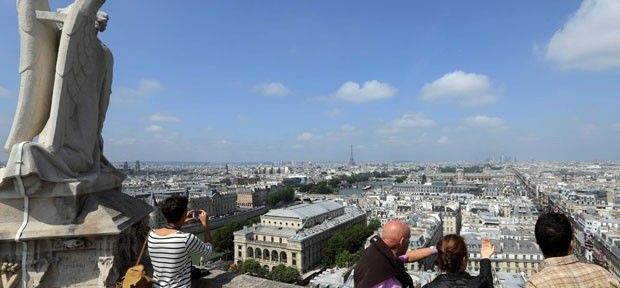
351	160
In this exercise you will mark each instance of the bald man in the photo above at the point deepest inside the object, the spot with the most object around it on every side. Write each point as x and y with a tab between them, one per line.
381	265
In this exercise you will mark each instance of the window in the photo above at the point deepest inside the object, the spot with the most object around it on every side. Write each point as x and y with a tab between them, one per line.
239	254
294	262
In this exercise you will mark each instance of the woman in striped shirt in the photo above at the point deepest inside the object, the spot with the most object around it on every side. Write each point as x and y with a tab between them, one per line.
170	249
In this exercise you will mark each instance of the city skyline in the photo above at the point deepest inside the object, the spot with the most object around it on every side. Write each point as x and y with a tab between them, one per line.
401	81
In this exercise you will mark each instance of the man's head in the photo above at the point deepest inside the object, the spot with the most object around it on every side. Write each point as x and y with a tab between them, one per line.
554	234
396	235
174	209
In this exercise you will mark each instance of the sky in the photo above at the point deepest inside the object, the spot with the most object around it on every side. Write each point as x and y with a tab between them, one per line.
239	81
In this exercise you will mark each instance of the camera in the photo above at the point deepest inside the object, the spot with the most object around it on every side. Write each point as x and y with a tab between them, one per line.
196	213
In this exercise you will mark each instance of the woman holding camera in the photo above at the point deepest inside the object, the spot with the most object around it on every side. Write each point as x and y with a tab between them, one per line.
170	249
453	257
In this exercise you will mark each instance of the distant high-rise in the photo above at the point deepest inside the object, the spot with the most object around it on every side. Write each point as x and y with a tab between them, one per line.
351	160
137	168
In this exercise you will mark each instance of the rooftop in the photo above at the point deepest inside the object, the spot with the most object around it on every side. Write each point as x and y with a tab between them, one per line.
305	210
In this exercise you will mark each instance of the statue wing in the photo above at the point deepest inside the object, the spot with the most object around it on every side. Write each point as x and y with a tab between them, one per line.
39	43
76	68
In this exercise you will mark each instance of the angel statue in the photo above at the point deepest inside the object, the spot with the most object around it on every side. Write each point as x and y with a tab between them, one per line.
55	143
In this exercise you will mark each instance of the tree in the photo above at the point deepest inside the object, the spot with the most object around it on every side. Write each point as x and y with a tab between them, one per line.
401	179
283	273
345	259
351	240
253	267
222	238
373	225
284	194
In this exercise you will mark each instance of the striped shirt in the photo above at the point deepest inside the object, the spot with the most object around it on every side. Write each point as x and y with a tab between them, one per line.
171	257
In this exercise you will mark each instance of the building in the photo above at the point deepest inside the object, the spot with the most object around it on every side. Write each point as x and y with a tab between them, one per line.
450	213
215	203
512	256
248	198
295	236
435	189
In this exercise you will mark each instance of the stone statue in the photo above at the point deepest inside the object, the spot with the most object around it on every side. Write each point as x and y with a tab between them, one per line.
63	215
9	273
66	78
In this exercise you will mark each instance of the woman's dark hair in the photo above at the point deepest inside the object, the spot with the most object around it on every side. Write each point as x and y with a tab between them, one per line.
553	233
173	208
451	250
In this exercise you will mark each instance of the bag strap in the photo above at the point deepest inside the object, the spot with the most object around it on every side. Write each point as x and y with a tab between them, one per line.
146	240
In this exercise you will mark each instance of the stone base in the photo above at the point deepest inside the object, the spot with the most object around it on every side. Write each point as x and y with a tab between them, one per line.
93	251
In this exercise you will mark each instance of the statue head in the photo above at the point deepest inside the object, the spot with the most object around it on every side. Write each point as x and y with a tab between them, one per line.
102	21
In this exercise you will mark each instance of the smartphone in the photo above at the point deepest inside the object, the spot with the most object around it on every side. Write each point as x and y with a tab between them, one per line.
196	213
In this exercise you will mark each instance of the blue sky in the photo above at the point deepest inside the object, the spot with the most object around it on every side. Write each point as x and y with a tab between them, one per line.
400	80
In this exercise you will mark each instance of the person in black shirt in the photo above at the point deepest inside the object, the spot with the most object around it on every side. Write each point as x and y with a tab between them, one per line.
453	257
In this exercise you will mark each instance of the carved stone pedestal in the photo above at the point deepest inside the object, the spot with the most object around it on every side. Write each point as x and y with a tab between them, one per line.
91	250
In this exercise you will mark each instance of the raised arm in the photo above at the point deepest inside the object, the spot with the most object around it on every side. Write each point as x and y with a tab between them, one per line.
204	220
419	254
486	250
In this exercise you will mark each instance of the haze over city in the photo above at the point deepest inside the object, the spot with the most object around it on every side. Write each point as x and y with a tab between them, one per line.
259	81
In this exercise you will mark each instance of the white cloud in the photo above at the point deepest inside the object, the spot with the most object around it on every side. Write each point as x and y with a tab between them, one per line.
306	136
243	118
338	134
333	113
163	118
466	89
344	131
443	140
347	128
407	121
590	39
4	93
369	91
123	141
154	129
143	89
590	129
223	142
271	89
484	122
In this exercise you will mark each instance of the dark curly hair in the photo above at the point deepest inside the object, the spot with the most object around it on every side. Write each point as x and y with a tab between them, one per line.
173	208
451	250
554	234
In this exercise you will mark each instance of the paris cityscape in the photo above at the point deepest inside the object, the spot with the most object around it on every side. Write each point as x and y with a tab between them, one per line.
500	200
340	145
